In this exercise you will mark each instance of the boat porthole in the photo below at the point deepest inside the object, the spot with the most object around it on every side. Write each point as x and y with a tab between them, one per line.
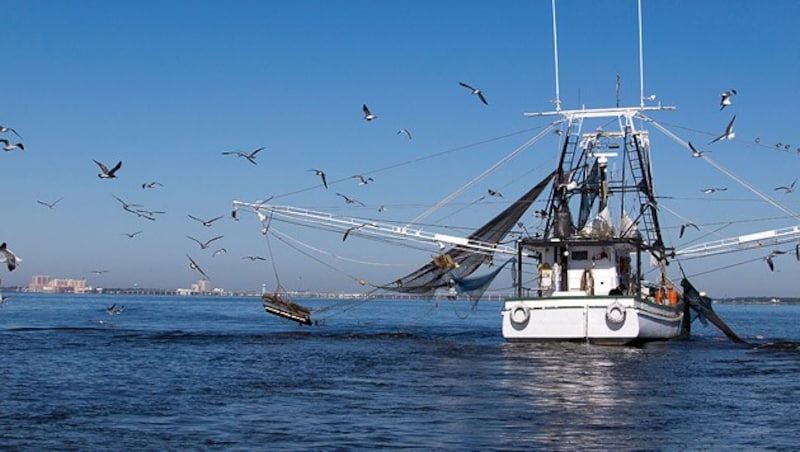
520	314
615	313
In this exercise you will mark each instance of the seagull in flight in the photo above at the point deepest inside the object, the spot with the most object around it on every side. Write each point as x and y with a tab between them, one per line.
204	245
206	223
362	180
193	265
254	258
350	200
495	193
368	116
321	174
51	204
349	230
405	132
729	133
219	251
475	91
126	206
9	146
4	129
726	98
712	190
132	234
114	309
251	157
106	173
687	225
695	152
151	185
769	258
787	188
99	272
9	257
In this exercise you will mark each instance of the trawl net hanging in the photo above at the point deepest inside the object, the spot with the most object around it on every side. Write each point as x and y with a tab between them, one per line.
474	287
459	262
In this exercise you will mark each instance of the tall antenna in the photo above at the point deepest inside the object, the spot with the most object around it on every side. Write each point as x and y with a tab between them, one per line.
641	59
555	53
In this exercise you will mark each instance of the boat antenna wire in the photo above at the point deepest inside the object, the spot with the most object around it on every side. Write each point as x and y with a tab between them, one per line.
555	55
641	59
722	169
488	171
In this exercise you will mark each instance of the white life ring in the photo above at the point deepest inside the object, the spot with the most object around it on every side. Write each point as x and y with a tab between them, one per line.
615	313
519	314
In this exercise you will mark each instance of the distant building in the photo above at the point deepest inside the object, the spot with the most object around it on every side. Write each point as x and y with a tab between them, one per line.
43	283
202	286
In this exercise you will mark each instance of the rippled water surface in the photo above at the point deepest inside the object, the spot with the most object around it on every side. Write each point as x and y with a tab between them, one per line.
210	373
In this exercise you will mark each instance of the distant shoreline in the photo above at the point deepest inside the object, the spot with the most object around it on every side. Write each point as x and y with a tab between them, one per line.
344	295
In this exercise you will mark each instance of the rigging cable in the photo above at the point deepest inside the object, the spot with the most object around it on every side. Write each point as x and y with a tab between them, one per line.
419	159
724	170
488	171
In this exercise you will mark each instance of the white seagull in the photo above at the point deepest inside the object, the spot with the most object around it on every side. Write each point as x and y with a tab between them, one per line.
405	132
362	180
254	258
695	152
251	157
726	98
687	225
769	257
4	129
9	146
321	174
712	190
151	185
475	91
495	193
193	265
350	200
132	234
219	251
787	188
106	173
206	223
368	116
51	204
204	245
729	133
9	257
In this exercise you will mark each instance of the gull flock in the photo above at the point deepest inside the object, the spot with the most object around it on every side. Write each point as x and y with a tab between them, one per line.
12	260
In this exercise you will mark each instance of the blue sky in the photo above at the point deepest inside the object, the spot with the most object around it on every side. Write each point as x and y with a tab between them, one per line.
166	87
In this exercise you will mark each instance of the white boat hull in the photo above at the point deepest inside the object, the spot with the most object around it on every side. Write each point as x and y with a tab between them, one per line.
594	319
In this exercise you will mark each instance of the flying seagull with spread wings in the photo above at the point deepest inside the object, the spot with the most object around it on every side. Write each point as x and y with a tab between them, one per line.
251	157
787	188
204	245
9	146
193	265
368	116
105	172
351	200
50	205
4	129
729	133
206	223
9	257
725	98
475	91
321	174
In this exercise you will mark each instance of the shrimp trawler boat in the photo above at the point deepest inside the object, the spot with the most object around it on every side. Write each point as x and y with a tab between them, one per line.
589	283
588	274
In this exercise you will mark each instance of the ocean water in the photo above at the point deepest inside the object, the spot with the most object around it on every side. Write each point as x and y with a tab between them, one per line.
219	373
